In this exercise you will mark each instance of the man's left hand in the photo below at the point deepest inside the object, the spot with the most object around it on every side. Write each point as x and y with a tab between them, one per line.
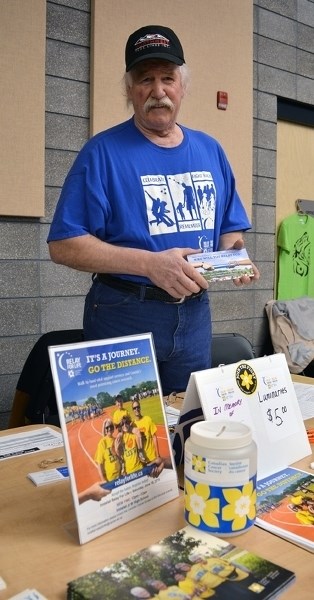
238	244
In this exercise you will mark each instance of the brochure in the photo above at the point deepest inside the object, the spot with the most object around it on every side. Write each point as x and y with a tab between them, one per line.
115	430
285	506
188	564
48	476
29	594
28	442
222	265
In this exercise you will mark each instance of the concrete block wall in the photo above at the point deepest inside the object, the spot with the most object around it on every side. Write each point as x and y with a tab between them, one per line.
283	67
37	296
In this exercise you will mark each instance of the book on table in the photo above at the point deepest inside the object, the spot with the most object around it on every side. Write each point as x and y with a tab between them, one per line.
285	506
188	564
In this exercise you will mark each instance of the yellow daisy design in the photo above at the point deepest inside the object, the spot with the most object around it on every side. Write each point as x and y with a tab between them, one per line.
198	463
246	380
200	506
241	507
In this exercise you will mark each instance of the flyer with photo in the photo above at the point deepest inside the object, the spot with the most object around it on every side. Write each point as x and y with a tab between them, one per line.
186	565
115	430
222	265
285	506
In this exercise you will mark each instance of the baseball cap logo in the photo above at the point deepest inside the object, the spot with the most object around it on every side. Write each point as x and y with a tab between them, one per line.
151	40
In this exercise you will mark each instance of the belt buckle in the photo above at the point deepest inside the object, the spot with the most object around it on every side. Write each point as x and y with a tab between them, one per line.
178	301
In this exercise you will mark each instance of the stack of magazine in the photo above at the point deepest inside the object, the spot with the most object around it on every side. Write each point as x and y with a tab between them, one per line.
188	564
285	506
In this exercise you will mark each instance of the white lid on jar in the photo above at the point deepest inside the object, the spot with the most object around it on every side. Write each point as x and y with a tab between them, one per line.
220	434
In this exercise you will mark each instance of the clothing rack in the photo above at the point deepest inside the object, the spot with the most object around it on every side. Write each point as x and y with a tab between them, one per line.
305	207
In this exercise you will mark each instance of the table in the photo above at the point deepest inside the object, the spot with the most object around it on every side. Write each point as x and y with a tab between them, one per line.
39	543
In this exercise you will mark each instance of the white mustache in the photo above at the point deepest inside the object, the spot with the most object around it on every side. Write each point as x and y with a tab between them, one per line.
164	103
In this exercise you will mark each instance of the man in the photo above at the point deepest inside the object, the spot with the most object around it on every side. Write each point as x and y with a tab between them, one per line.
148	431
117	215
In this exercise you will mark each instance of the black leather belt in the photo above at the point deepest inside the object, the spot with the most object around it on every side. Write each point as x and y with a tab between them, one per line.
143	291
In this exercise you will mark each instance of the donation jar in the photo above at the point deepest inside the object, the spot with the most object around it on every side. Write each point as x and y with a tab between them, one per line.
220	461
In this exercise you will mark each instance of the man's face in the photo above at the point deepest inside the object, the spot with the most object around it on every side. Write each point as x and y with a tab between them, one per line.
136	409
156	93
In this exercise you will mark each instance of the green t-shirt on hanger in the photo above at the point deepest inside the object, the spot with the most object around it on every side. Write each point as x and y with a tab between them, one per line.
295	241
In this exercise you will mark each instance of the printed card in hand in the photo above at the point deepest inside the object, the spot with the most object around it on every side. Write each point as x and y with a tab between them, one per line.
223	265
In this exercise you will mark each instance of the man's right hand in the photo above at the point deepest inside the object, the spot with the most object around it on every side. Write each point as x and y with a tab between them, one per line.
171	271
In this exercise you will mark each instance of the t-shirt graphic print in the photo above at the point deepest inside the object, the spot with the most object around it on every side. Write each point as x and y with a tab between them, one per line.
180	202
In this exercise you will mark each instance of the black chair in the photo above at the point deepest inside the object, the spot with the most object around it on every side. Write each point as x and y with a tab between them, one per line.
230	348
34	400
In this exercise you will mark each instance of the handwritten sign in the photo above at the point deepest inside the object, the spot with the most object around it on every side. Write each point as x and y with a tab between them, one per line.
261	394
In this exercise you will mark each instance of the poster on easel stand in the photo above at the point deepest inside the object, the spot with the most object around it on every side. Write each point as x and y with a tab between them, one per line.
115	431
257	392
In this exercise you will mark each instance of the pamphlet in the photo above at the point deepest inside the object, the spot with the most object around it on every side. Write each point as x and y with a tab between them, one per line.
222	265
305	396
29	594
187	564
49	476
28	442
285	506
115	430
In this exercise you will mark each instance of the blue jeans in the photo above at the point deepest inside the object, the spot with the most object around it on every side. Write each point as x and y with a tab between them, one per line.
181	332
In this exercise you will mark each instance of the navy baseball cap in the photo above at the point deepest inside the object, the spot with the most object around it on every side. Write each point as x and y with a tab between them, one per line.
153	41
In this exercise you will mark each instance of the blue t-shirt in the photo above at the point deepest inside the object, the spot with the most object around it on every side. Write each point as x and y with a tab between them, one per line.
126	190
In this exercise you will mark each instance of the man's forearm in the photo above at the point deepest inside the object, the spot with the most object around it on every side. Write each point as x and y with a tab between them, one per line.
87	253
167	269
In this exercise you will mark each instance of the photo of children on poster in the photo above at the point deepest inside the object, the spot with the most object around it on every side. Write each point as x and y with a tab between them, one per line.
115	430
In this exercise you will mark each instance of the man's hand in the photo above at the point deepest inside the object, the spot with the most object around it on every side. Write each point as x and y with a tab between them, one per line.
234	241
94	492
245	279
171	271
159	464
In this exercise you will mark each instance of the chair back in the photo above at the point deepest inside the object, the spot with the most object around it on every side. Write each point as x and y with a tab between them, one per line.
34	400
230	348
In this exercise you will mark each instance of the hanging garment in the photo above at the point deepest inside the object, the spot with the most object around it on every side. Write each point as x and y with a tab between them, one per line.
295	243
291	326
